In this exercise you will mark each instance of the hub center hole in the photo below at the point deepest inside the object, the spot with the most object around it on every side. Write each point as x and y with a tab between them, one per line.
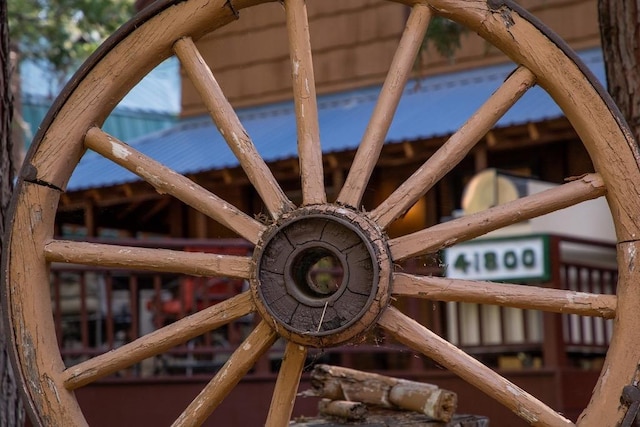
317	272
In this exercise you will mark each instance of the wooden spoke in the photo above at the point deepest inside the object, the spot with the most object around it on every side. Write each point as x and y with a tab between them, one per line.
168	181
455	149
508	295
286	388
304	95
163	260
419	338
231	373
449	233
231	129
376	132
158	341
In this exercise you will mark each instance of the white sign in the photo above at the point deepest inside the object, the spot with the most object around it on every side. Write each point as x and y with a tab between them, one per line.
520	259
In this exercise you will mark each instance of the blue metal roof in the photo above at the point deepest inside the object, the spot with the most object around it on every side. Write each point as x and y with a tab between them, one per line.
430	107
123	123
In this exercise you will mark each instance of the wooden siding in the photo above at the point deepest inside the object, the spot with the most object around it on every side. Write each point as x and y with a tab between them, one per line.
353	43
250	58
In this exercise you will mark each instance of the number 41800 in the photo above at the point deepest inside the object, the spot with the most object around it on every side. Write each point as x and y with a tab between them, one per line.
492	261
503	259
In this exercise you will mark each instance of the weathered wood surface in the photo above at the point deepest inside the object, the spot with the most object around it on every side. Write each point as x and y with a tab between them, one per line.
342	409
390	418
624	368
167	181
245	356
505	294
164	260
445	234
304	96
99	86
12	412
415	336
455	149
28	297
158	341
337	383
392	89
284	395
231	128
619	22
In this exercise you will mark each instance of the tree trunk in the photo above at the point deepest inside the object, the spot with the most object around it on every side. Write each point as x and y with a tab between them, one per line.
11	410
620	32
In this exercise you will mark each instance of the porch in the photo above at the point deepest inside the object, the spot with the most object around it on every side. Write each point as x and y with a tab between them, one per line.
556	357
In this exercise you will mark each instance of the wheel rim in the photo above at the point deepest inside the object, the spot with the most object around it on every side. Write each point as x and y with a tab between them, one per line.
130	54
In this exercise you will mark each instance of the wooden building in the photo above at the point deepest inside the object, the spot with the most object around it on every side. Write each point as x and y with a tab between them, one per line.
353	45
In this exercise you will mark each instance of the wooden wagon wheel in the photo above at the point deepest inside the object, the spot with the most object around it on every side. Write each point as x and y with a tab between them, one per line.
298	235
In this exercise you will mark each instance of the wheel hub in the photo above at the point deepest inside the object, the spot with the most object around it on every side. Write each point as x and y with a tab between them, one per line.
322	275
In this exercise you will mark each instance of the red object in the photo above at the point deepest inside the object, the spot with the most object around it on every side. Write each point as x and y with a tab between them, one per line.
197	293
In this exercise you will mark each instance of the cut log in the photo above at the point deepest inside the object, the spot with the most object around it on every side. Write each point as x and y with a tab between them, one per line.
424	398
344	409
337	383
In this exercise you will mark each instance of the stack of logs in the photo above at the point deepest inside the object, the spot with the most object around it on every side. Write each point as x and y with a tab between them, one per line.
349	394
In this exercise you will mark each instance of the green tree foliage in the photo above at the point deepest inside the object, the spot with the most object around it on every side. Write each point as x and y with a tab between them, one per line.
60	34
445	36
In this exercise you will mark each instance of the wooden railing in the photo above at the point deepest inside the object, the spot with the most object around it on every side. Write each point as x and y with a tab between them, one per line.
96	310
587	334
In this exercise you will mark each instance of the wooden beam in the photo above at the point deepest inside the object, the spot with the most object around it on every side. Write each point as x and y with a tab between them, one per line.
127	209
127	190
409	152
534	133
226	176
480	157
200	225
491	138
78	201
159	205
332	161
176	216
89	218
